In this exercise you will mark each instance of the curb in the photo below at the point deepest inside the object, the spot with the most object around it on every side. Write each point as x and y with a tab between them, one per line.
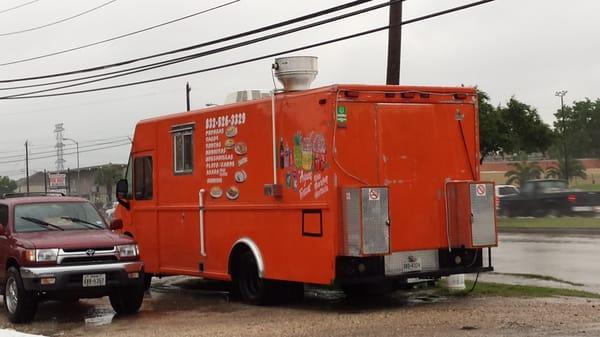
549	230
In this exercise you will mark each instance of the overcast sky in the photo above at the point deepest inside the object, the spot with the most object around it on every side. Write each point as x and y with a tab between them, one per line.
528	49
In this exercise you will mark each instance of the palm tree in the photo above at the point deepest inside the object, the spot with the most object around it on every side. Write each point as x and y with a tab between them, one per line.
108	176
523	170
576	169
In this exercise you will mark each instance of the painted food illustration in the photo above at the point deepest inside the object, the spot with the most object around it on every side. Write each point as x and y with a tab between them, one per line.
232	193
241	148
229	144
216	192
307	154
231	131
298	150
240	176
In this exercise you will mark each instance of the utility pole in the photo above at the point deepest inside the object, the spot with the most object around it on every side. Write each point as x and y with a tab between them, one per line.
394	44
562	94
187	95
27	164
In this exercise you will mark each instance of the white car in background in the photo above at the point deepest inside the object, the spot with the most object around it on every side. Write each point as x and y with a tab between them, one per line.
503	191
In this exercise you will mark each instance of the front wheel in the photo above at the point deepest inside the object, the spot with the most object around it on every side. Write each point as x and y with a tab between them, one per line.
252	288
127	300
20	304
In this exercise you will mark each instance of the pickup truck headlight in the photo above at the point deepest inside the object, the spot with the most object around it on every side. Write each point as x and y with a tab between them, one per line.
127	250
41	255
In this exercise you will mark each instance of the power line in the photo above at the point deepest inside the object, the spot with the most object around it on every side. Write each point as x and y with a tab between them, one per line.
196	46
66	148
18	6
339	39
69	153
59	21
138	69
48	146
120	36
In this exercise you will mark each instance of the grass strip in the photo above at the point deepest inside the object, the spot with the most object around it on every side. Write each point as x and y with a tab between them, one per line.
489	289
563	222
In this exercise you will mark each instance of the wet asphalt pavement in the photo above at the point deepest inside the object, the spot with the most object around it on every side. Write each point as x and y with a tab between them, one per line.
181	306
573	258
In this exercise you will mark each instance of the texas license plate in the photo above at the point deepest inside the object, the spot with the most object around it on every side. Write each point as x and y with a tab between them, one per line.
410	266
94	280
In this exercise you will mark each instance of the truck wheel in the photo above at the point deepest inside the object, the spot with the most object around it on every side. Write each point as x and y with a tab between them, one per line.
252	288
127	300
19	304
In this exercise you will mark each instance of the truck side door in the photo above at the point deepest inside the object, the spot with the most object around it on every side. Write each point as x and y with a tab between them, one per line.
143	207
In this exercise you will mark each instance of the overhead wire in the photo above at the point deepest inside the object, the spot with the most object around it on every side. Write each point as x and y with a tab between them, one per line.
73	147
199	45
65	154
120	36
18	6
138	69
59	21
254	59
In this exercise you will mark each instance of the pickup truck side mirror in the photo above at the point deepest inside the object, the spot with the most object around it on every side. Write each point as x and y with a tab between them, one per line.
116	224
122	191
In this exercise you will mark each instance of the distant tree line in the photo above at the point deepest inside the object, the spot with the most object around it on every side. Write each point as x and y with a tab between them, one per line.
516	129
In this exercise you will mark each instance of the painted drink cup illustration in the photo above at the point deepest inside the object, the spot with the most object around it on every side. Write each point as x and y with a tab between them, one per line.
298	150
307	154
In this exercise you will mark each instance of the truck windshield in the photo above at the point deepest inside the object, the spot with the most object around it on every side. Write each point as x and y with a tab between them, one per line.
57	216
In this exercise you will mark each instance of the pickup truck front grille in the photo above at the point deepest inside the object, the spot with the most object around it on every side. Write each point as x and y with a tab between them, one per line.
83	256
88	260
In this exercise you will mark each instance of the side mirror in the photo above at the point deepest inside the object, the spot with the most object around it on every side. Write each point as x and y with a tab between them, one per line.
122	191
116	224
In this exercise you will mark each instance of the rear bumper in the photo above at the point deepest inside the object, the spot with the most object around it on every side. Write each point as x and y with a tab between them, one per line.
373	269
68	280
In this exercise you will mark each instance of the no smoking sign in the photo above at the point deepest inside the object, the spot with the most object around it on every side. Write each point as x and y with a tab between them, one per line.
480	190
373	195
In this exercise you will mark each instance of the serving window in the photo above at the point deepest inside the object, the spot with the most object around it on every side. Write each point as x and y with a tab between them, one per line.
183	148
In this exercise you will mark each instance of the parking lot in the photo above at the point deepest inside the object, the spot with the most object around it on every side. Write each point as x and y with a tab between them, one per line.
190	307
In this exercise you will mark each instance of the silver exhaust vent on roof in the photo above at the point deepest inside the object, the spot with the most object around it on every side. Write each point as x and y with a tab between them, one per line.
296	72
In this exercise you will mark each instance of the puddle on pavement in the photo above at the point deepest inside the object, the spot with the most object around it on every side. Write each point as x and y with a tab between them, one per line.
173	294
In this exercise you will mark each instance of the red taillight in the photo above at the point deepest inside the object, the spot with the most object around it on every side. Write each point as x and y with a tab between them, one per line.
351	94
497	202
572	198
408	95
460	96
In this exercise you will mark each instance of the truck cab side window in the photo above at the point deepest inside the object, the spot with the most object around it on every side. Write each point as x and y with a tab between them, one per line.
183	158
142	176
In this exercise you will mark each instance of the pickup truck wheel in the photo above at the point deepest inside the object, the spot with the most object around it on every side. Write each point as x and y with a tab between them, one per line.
20	304
127	300
252	288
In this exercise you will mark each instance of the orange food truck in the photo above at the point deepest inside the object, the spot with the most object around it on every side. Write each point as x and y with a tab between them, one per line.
346	185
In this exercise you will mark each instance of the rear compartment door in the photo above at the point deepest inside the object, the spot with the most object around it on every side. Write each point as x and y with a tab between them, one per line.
420	146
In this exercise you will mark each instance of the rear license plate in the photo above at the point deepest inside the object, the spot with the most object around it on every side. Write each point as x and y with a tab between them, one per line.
411	266
94	280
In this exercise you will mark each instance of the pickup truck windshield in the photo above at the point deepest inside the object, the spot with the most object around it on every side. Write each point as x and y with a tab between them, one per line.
57	216
552	186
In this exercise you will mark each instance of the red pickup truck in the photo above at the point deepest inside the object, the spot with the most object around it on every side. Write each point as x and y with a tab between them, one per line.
60	248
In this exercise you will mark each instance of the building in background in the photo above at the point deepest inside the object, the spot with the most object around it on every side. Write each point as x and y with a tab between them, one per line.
96	183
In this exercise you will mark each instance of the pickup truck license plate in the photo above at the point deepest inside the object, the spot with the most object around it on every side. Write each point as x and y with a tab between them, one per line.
410	266
94	280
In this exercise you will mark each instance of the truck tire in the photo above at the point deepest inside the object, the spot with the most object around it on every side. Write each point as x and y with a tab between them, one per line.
127	300
252	288
20	304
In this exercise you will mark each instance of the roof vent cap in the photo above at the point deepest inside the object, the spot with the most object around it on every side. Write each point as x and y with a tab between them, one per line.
296	72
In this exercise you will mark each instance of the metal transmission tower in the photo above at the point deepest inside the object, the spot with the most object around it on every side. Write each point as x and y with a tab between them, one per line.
60	161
